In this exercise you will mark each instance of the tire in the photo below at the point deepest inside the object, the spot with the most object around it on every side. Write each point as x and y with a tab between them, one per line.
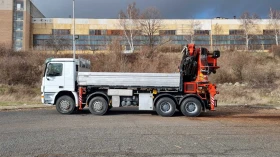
191	107
98	106
165	107
65	105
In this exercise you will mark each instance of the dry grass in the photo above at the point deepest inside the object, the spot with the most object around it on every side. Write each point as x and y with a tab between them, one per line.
247	95
19	96
260	71
257	69
143	61
19	93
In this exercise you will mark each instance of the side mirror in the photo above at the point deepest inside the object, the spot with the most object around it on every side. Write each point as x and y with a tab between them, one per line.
216	54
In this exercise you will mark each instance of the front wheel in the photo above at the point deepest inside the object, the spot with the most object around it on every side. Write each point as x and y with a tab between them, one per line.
65	105
191	107
98	106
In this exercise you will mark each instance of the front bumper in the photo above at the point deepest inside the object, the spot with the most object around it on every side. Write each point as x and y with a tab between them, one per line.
48	98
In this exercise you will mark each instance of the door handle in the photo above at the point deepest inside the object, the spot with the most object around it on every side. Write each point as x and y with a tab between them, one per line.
60	87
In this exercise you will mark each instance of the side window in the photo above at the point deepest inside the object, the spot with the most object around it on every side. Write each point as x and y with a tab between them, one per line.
55	69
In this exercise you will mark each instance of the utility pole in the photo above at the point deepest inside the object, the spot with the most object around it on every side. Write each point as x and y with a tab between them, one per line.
211	37
74	28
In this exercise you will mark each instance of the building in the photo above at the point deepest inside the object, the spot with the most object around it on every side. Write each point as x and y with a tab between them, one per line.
24	27
15	23
95	34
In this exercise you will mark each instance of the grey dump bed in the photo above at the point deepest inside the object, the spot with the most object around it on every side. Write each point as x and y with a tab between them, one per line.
111	79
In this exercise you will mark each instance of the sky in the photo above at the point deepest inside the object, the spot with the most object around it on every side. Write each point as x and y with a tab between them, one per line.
170	9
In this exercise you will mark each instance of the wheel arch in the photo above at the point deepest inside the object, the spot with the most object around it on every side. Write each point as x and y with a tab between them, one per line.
102	94
165	95
68	93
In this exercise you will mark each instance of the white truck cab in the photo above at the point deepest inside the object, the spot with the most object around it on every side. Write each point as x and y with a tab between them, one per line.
60	76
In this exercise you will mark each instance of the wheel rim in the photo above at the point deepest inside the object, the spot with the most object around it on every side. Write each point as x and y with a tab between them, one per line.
65	105
98	106
165	107
191	107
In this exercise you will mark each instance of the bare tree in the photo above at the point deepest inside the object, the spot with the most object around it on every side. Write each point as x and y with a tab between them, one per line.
128	22
120	59
57	43
249	26
150	24
190	30
274	23
217	30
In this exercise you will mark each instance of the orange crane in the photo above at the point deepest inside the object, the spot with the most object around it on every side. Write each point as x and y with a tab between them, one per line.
196	65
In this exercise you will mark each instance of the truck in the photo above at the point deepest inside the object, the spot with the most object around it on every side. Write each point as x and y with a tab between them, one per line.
70	86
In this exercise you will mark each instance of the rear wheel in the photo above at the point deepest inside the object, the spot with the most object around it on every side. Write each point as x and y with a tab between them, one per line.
65	105
98	106
191	107
165	107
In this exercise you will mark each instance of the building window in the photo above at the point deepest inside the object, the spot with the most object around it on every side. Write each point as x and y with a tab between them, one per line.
269	31
201	32
236	32
114	32
167	32
97	32
18	35
18	16
18	25
19	5
61	31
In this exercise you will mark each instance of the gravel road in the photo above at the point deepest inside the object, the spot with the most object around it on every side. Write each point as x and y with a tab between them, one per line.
229	131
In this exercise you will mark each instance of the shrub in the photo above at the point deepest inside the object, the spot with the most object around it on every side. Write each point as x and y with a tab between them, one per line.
253	68
170	48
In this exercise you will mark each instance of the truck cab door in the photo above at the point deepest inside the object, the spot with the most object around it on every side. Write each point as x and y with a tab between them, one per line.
54	81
